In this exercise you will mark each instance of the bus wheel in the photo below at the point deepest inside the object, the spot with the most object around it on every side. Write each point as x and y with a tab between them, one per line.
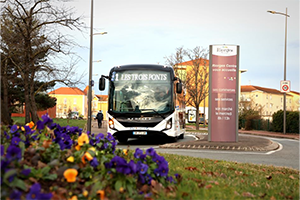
173	139
122	139
181	136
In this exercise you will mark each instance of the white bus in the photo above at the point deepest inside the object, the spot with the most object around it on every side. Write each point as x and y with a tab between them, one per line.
144	101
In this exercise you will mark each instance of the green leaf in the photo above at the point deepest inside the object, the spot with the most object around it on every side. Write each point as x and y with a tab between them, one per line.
118	185
9	173
51	177
19	183
45	170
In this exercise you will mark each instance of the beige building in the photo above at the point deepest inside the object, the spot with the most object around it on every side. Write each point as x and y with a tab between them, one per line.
271	100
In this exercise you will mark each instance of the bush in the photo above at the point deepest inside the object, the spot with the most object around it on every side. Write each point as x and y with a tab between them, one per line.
250	122
292	121
47	161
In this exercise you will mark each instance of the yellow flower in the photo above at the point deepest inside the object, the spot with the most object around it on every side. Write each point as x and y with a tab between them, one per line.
121	190
70	159
101	193
77	147
83	139
74	198
125	151
70	175
92	149
87	156
22	128
85	193
30	124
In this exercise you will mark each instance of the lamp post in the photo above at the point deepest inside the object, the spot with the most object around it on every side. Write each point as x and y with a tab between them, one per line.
89	122
284	76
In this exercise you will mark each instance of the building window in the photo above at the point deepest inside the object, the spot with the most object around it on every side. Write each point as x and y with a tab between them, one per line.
270	96
256	95
75	101
65	100
267	96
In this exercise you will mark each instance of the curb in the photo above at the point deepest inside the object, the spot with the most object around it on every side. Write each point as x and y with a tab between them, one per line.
246	143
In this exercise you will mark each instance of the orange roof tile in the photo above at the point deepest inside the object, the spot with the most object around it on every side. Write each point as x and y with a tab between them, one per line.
250	88
68	90
190	63
102	97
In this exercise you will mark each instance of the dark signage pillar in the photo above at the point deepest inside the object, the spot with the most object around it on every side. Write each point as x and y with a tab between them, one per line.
223	93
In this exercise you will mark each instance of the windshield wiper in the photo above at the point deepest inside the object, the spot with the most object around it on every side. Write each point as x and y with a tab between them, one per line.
155	111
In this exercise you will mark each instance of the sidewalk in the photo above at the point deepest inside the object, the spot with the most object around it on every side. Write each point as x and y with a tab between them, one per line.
97	130
245	143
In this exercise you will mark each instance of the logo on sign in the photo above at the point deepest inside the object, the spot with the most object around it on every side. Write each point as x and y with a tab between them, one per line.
285	86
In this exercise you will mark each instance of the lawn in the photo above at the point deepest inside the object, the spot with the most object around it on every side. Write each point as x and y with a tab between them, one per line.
61	122
213	179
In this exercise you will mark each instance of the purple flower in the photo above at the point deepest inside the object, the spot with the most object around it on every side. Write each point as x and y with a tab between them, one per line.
14	128
15	194
13	152
2	150
143	168
94	162
15	141
151	152
138	153
6	135
40	125
26	172
109	137
47	119
162	170
35	193
132	166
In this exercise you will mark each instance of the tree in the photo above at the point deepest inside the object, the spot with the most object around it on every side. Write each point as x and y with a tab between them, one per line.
31	39
194	75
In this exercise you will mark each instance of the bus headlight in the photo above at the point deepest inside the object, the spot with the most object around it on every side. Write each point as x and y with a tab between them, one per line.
111	123
169	124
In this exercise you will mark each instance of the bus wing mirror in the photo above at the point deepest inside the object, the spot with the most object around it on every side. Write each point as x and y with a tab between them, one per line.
102	83
179	88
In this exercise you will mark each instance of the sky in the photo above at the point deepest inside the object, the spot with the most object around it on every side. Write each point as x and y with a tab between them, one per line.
145	32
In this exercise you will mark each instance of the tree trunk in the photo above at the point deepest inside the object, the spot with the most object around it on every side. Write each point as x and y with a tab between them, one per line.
27	101
33	111
197	117
5	114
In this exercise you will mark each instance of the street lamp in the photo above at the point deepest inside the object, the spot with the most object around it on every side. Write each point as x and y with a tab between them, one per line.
89	122
284	77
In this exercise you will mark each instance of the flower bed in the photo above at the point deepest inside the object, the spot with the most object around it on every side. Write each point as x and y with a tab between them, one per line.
47	161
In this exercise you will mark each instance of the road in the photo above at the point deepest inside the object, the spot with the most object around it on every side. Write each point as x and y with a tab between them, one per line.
286	156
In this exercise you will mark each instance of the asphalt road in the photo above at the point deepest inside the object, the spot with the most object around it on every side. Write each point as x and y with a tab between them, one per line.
286	156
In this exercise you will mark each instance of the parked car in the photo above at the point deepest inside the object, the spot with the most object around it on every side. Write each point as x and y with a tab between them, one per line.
74	115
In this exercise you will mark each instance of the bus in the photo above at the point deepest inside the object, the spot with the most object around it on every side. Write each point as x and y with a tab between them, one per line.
144	101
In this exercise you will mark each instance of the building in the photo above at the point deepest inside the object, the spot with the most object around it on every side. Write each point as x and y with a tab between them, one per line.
102	104
184	69
270	100
69	99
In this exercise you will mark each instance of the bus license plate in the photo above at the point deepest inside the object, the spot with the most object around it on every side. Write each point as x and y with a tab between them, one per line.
139	132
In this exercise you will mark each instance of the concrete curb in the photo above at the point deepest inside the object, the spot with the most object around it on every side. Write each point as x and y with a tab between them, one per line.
245	143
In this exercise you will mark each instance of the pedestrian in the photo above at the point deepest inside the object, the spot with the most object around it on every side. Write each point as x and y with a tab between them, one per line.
99	117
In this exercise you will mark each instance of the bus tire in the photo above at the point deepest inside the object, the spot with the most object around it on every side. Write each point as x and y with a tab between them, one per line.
122	139
181	136
173	139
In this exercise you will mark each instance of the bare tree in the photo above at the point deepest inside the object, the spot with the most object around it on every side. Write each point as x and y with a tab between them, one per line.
33	42
197	78
193	73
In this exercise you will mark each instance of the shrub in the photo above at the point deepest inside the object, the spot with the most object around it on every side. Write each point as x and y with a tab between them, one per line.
292	121
45	161
250	121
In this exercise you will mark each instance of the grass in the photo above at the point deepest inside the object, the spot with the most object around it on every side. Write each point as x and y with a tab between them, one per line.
61	122
213	179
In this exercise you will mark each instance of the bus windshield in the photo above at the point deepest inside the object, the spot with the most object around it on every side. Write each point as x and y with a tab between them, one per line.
140	91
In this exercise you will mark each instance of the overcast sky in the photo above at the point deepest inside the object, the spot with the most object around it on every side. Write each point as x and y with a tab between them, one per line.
144	31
